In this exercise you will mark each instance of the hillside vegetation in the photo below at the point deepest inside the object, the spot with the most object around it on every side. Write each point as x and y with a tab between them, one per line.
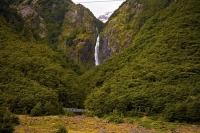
78	37
61	24
125	23
159	73
153	67
43	19
35	79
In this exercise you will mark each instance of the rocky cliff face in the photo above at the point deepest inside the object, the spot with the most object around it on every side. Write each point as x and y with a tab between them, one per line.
125	23
79	32
33	18
64	25
120	29
35	27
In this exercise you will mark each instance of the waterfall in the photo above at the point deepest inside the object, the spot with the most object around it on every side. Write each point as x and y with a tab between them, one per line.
96	54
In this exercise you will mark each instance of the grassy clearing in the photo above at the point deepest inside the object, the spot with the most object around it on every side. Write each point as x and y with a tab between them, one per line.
82	124
77	124
157	125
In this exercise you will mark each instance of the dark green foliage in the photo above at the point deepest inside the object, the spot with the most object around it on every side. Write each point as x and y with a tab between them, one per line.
32	75
99	24
193	113
75	67
62	130
69	113
159	72
183	112
13	1
7	121
50	109
72	36
37	110
53	12
11	16
24	28
116	117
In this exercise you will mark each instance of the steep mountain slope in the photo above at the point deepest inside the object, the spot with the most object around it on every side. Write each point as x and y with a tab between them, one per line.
79	32
159	73
125	23
63	25
121	28
34	79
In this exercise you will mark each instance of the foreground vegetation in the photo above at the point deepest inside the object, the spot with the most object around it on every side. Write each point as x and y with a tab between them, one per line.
7	121
82	124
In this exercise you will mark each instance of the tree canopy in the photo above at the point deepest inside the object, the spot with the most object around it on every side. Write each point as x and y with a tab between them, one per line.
32	74
158	73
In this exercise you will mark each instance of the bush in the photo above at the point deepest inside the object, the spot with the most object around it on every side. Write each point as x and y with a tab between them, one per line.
7	121
69	113
37	110
183	112
62	130
193	111
169	113
116	119
50	109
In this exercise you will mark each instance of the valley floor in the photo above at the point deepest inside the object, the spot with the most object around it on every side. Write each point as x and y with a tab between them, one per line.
82	124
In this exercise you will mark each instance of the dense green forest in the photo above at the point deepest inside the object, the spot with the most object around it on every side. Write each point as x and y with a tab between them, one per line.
34	79
159	74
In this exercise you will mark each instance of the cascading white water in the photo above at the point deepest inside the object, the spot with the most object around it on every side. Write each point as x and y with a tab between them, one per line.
96	54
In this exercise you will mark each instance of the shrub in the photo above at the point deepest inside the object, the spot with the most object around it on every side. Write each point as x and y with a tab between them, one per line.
37	110
169	113
7	121
116	119
62	130
69	113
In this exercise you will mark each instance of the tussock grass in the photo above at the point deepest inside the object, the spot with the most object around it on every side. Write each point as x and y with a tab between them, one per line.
82	124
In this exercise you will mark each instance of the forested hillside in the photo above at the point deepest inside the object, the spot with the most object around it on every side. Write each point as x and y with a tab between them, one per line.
61	24
34	79
149	50
159	73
